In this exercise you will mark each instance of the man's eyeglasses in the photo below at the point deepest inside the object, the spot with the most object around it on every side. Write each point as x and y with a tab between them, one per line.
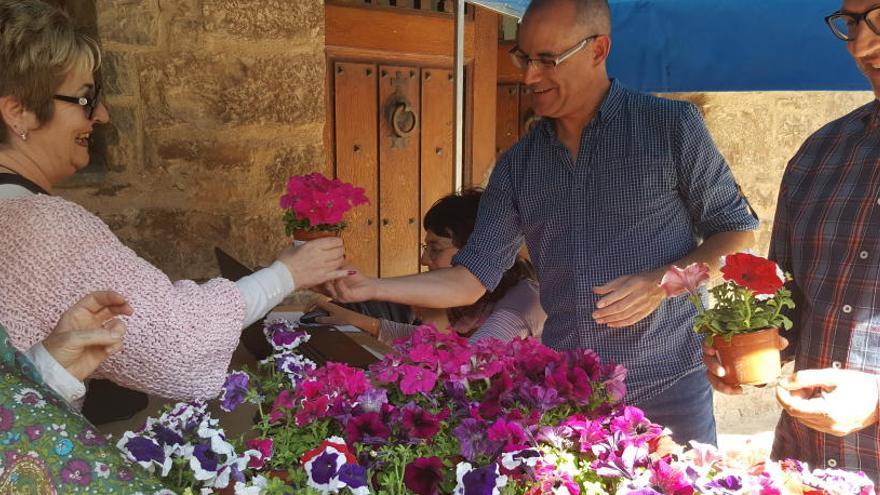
845	25
89	102
522	60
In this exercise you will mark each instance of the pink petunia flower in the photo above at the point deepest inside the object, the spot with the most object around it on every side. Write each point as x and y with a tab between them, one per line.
677	281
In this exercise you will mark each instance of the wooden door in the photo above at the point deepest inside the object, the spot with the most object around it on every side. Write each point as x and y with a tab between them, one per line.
399	148
391	120
393	132
357	157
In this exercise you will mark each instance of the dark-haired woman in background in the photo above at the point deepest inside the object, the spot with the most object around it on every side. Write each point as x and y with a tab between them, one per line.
512	310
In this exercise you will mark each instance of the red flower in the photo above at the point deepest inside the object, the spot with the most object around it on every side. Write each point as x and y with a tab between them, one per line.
760	275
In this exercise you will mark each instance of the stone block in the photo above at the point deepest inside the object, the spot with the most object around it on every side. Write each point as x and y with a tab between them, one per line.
206	154
121	136
118	74
266	19
278	89
130	22
210	90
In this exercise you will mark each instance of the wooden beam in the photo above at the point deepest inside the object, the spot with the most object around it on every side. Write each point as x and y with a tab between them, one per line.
394	30
484	96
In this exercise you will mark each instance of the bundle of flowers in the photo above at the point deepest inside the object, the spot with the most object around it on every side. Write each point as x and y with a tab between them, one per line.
315	203
187	449
440	416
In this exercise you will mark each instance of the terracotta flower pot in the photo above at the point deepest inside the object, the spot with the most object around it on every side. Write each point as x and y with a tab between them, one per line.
750	358
306	235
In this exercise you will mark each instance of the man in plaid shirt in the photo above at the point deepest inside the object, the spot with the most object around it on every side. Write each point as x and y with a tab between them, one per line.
827	235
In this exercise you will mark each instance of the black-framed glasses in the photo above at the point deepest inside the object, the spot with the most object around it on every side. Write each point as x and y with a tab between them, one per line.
89	102
522	61
845	25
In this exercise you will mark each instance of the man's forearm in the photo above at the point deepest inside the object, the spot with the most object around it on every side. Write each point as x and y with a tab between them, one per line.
444	288
713	248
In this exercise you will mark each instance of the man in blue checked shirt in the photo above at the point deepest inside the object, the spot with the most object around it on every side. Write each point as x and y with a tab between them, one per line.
607	191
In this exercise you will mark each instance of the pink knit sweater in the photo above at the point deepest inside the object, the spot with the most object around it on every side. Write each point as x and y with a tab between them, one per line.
182	335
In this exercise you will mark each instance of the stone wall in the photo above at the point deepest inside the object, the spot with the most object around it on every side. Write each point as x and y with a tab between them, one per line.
214	103
758	133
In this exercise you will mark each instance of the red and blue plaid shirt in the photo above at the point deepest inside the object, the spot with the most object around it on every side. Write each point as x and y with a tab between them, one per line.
827	235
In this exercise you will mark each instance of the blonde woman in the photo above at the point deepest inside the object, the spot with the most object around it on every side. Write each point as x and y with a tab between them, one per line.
181	334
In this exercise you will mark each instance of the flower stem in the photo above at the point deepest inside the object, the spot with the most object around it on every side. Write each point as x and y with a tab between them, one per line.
746	295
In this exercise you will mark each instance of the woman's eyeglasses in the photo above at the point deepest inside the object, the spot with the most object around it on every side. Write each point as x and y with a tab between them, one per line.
433	252
89	102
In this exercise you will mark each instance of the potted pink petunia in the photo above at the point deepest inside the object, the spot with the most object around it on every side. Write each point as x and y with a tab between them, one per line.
314	206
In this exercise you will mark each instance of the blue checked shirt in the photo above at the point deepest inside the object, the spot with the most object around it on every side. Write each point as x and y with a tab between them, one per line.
647	185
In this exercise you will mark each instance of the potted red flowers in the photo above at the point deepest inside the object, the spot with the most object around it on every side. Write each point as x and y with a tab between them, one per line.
747	314
314	205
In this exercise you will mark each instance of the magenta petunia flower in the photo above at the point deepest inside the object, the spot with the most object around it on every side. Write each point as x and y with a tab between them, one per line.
670	480
366	428
282	404
424	475
416	379
264	447
632	424
509	433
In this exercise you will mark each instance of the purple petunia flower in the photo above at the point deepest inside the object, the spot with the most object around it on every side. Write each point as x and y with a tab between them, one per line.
167	436
423	475
205	457
481	481
235	390
731	482
372	400
145	450
324	467
614	464
471	435
287	340
76	472
353	475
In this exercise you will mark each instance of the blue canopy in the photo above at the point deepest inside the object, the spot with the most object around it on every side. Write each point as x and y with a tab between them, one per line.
723	45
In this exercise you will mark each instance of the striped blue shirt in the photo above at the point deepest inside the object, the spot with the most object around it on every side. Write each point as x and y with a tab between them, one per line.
647	185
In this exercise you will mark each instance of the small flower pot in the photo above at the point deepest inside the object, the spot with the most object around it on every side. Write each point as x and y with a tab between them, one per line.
308	235
749	358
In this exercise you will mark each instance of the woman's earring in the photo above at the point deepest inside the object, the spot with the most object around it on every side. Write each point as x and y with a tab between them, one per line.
23	135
